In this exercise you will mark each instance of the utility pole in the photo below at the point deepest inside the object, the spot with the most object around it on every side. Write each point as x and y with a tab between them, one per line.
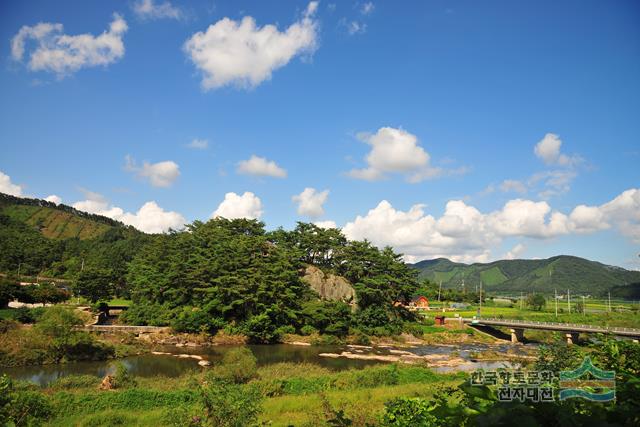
569	301
584	307
480	309
464	290
555	296
82	266
609	302
439	290
521	300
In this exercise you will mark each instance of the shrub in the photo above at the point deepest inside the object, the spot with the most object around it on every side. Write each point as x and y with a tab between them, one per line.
194	320
308	330
286	329
409	412
122	377
230	405
22	407
147	314
260	328
238	366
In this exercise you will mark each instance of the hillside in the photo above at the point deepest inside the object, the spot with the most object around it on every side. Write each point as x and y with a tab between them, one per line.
560	272
55	221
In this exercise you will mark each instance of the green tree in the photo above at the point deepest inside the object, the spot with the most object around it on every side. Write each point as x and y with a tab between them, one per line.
536	301
94	284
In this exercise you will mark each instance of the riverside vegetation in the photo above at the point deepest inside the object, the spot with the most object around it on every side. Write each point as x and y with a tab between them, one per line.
237	393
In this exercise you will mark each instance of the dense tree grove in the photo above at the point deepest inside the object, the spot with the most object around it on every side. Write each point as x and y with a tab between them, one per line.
229	274
232	273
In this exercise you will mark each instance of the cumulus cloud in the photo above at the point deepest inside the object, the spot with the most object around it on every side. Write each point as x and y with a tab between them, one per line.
54	199
161	174
8	187
198	144
463	233
548	150
244	55
326	224
64	54
235	206
310	202
397	151
149	9
150	218
515	252
259	166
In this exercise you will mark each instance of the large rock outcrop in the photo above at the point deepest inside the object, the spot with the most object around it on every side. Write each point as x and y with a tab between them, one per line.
329	286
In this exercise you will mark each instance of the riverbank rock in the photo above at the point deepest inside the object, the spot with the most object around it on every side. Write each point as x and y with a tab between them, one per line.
329	286
204	363
108	383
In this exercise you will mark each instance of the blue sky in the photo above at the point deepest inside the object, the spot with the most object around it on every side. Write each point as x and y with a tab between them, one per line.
435	107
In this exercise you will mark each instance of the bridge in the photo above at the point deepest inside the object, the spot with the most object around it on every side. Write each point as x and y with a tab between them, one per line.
571	330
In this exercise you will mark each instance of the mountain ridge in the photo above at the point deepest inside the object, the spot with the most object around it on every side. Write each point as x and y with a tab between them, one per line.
559	272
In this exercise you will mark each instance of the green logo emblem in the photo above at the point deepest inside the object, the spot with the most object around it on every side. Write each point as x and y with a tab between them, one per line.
588	382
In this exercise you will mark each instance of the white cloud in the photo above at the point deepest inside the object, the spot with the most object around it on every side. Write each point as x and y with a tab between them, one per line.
554	182
355	27
463	233
63	54
150	218
326	224
148	9
161	174
198	144
244	55
515	252
7	187
512	185
54	199
367	8
397	151
310	202
259	166
548	150
234	206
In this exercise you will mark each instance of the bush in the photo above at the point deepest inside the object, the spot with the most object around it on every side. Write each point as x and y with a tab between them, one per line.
409	412
229	405
122	377
238	366
27	315
308	330
194	320
22	407
143	314
286	329
261	329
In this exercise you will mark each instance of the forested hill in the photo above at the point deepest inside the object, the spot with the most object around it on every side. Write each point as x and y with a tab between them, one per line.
55	221
521	275
40	237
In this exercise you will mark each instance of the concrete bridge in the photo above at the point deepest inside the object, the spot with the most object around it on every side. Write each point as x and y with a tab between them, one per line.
571	330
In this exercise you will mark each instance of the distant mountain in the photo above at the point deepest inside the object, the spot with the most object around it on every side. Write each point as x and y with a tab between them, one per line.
56	221
521	275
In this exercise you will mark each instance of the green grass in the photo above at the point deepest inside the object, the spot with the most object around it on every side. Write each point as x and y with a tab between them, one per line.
360	393
492	276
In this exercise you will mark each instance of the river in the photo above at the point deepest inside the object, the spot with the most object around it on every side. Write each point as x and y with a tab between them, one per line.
148	365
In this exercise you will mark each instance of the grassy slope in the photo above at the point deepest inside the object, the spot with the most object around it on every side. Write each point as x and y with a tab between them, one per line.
54	223
562	272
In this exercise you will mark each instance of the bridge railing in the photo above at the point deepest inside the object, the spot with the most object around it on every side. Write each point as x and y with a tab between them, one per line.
559	324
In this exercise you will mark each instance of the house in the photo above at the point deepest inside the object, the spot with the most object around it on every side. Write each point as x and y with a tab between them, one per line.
420	302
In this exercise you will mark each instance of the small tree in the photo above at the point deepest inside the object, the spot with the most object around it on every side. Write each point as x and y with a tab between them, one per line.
58	324
536	301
